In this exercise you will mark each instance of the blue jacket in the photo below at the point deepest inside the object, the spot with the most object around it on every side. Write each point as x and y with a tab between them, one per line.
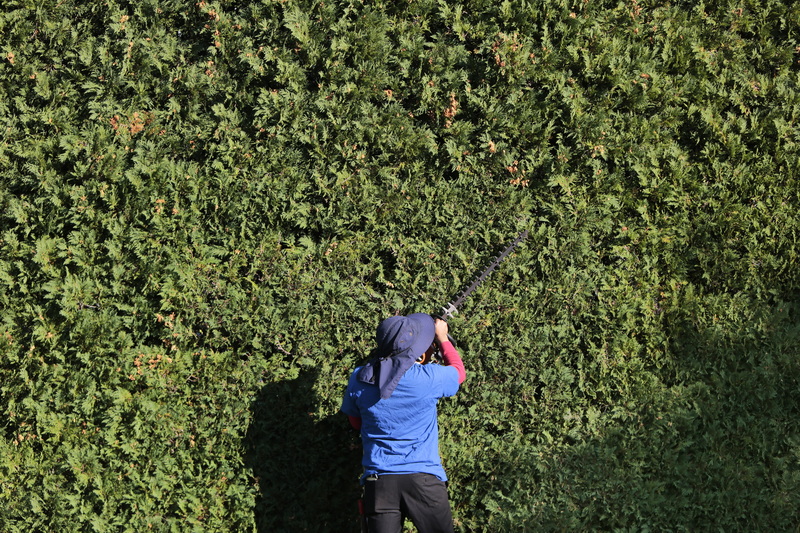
400	434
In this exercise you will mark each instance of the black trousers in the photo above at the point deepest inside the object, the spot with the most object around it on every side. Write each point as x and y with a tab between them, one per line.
422	498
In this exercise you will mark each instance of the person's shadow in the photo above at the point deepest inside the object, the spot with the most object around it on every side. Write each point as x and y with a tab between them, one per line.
306	467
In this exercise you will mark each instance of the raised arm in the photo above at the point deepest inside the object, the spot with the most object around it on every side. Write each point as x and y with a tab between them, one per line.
450	355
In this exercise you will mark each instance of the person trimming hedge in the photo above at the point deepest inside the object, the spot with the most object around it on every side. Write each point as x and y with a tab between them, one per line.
393	400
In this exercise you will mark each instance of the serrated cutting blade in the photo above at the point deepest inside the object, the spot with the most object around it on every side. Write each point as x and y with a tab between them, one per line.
449	310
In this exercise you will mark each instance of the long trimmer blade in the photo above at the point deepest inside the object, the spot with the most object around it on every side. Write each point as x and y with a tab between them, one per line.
453	305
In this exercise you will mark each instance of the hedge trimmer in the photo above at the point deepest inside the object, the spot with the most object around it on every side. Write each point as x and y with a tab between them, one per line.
450	310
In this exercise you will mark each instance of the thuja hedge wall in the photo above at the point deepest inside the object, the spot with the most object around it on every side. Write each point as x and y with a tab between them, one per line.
206	208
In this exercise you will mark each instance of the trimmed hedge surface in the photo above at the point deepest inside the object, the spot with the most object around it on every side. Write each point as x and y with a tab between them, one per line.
206	209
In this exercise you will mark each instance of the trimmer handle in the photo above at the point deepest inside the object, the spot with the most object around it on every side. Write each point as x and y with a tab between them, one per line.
444	317
434	355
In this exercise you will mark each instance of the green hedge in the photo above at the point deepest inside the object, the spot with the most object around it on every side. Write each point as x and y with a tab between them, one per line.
206	208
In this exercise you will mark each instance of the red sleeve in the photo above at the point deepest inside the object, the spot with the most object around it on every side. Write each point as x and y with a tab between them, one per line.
355	421
451	358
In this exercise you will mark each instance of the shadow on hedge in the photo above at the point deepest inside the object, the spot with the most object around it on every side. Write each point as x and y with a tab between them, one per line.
716	450
307	467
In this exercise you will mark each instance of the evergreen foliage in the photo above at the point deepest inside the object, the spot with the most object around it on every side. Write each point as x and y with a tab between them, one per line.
206	208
